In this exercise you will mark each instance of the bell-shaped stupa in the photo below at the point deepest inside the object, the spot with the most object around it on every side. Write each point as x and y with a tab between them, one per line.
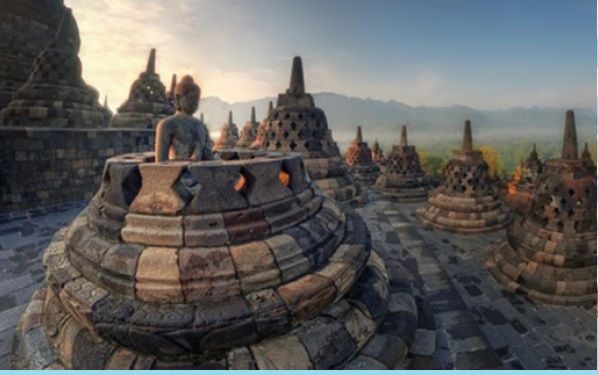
297	125
229	135
249	131
403	178
467	201
359	158
147	102
214	264
550	253
27	28
521	186
55	94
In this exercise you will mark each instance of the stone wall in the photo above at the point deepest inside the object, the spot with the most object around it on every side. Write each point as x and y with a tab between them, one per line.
41	167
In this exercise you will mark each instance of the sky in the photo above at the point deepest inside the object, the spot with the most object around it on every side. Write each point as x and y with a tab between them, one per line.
485	54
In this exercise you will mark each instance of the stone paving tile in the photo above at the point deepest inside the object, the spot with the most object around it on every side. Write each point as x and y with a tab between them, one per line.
547	336
23	237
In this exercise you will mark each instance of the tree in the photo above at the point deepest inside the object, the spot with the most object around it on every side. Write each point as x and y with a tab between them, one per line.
491	157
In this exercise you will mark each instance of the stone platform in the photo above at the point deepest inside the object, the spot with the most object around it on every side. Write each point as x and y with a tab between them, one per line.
466	320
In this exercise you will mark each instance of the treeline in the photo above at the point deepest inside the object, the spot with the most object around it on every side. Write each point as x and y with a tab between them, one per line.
502	156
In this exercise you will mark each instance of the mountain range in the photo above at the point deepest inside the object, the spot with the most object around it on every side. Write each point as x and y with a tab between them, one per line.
427	125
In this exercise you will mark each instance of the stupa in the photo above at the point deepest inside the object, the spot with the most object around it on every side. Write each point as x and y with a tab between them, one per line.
147	103
297	125
229	135
550	254
28	27
213	264
377	153
258	143
522	184
359	158
170	93
249	131
467	201
106	112
403	178
55	95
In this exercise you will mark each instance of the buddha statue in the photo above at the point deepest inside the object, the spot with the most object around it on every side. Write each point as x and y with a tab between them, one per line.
182	136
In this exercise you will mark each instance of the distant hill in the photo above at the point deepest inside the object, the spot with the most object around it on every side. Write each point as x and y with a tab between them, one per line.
427	125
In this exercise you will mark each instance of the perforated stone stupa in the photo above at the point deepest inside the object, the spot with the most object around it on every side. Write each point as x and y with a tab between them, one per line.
297	125
55	95
249	131
467	201
238	264
403	178
378	154
258	143
522	184
359	158
147	102
27	28
550	254
229	135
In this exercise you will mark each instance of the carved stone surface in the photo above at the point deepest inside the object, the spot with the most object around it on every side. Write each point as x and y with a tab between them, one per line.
403	178
467	201
55	94
147	102
29	25
550	254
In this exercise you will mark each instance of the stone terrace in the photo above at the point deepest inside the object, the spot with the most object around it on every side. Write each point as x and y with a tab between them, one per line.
466	320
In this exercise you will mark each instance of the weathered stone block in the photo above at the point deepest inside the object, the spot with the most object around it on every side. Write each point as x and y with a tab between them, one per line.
255	265
153	230
207	273
157	276
307	296
289	256
157	195
281	353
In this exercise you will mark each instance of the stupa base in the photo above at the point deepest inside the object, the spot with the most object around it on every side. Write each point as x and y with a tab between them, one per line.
348	334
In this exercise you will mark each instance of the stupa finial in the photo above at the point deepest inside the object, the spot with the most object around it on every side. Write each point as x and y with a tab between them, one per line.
105	101
253	115
467	139
570	137
151	62
297	85
173	84
230	117
201	117
403	141
534	154
270	107
585	154
358	136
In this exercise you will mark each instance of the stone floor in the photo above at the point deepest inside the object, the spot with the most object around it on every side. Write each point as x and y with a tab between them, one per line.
466	320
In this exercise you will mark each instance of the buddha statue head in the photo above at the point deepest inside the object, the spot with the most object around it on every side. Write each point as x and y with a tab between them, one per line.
186	95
